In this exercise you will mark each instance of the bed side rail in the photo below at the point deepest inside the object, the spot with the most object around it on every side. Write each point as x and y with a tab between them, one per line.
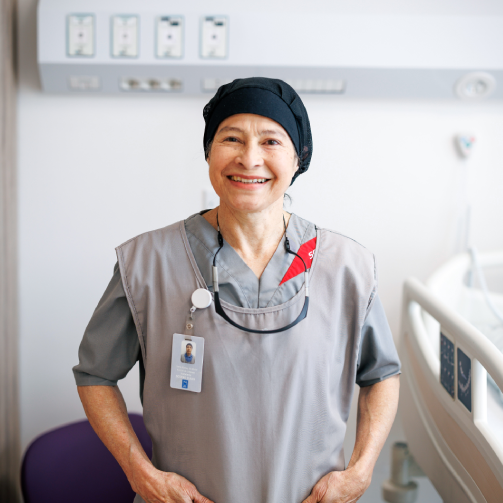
485	358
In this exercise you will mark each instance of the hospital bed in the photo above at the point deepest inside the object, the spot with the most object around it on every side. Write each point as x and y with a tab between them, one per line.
451	405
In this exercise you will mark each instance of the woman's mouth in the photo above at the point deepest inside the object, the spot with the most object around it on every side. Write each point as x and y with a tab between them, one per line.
247	180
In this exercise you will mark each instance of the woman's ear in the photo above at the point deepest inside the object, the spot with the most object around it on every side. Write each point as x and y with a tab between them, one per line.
296	164
207	151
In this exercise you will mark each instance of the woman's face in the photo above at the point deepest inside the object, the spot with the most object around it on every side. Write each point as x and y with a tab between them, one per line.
251	163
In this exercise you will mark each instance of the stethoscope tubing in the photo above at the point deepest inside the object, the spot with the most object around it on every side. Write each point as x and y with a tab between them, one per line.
220	310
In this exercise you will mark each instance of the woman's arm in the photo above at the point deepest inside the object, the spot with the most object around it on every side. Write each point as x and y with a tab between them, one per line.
106	410
377	405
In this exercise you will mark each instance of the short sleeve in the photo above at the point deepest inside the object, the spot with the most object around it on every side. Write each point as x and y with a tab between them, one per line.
377	355
110	347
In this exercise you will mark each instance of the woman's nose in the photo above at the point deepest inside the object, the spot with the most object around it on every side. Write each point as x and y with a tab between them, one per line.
250	156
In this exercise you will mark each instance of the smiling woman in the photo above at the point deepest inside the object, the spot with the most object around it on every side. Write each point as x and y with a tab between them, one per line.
266	420
252	162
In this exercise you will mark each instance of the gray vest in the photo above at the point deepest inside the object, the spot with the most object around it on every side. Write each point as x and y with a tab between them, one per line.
271	417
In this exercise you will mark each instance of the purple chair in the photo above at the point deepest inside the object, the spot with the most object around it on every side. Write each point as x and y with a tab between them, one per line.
71	464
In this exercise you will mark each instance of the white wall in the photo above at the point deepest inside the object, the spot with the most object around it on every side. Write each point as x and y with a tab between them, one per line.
95	171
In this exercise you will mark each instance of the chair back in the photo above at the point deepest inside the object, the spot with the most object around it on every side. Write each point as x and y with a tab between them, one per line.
71	464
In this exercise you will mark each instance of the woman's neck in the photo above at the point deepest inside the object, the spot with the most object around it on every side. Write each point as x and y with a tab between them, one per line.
254	236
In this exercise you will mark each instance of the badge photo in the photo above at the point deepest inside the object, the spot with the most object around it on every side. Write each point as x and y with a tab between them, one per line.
188	352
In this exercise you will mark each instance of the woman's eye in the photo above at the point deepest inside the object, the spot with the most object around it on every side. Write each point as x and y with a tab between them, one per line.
272	142
231	139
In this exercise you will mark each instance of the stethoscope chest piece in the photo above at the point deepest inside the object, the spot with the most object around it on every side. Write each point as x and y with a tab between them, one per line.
201	298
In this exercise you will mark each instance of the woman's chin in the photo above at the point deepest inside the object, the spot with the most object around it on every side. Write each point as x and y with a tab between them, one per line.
248	204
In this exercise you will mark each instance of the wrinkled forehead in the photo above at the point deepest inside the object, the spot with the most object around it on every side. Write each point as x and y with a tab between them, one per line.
252	124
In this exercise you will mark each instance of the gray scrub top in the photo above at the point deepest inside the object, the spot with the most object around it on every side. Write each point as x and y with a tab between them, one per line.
110	346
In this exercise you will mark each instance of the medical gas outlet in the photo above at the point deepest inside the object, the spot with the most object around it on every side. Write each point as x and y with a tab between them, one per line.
169	37
214	37
80	39
125	36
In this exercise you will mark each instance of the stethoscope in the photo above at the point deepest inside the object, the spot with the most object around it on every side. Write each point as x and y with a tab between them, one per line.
218	306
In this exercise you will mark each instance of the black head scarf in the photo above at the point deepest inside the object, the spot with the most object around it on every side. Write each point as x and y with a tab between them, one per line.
270	98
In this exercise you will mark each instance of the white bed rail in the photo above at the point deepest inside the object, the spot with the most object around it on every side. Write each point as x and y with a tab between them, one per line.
438	413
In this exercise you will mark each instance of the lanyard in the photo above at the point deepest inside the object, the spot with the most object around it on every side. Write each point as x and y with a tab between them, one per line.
218	306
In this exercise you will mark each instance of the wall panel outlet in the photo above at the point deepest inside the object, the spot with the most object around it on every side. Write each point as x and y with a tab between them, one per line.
214	34
125	36
80	38
169	37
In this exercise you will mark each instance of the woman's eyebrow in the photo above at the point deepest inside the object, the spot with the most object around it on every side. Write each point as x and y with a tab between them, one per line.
230	128
272	131
226	129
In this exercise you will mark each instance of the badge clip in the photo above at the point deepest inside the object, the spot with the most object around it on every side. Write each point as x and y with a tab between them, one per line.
201	299
189	324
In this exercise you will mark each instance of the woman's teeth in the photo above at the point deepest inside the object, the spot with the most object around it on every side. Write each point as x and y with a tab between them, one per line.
248	180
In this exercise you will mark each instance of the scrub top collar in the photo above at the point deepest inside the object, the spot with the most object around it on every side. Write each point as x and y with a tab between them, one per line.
241	286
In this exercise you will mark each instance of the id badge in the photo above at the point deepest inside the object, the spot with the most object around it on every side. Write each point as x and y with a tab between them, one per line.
187	362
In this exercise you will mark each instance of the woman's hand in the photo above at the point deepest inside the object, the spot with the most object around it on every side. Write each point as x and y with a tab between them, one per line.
107	414
377	406
339	487
155	486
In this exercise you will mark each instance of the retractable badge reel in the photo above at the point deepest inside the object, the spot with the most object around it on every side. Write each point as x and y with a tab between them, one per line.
188	350
201	299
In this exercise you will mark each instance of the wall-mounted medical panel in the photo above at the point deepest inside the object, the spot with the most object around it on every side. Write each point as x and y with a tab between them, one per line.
98	46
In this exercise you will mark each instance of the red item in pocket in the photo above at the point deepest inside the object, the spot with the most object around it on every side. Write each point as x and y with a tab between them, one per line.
306	251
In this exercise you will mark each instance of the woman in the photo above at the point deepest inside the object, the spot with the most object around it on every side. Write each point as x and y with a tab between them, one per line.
281	356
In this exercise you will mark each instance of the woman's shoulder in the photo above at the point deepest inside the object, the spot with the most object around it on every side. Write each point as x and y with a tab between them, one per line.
340	253
342	250
153	237
344	240
194	221
331	237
